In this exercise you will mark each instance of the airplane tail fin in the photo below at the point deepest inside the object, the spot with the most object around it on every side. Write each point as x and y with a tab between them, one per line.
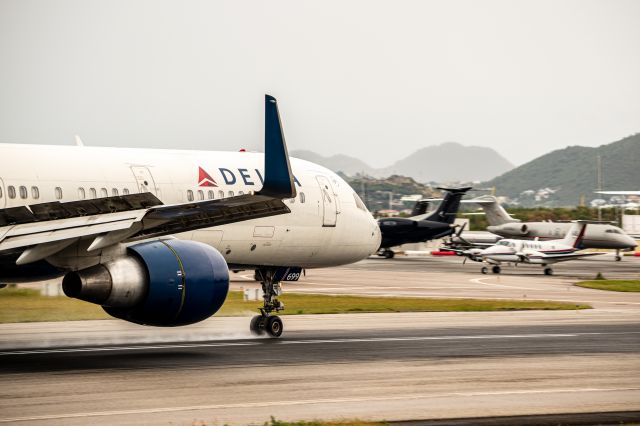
446	212
278	178
575	234
496	214
420	208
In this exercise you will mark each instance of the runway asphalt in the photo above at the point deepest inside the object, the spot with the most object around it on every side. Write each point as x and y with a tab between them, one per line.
411	366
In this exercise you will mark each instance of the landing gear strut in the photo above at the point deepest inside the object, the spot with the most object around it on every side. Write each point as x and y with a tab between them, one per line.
618	257
386	253
265	322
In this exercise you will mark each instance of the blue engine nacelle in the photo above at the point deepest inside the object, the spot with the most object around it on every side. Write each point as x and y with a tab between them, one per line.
161	283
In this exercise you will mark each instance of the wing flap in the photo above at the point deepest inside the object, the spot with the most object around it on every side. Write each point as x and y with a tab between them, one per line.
166	220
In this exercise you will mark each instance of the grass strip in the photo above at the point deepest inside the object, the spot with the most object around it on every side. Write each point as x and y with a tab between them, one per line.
275	422
27	305
298	303
612	285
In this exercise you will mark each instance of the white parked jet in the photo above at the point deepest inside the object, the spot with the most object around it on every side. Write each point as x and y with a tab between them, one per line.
150	234
599	235
537	252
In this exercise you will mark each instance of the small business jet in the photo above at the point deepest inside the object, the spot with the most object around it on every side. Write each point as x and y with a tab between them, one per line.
535	252
150	234
421	227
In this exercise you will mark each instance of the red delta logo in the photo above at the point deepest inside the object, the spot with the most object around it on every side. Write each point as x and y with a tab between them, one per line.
205	179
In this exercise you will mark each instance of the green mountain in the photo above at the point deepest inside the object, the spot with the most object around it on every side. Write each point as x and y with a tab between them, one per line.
562	177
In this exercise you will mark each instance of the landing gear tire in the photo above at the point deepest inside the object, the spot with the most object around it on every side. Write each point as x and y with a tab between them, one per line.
388	254
484	270
274	326
496	269
271	289
257	325
548	271
618	258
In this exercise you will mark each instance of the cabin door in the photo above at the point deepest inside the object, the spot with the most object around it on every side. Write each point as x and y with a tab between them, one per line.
3	195
144	179
329	202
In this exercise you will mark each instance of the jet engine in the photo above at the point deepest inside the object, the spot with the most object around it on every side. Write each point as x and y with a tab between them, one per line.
510	229
162	283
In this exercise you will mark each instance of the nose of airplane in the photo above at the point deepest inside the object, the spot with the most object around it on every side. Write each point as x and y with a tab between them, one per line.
629	242
496	250
488	251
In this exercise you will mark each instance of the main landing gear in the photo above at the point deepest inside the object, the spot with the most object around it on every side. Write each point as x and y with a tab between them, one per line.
265	322
495	269
386	253
618	257
548	271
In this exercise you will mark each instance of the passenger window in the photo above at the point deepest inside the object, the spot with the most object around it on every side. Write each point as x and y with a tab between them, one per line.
125	191
12	192
93	192
114	192
210	194
302	197
35	192
58	193
103	192
0	192
189	195
23	192
240	192
81	193
230	193
220	194
200	194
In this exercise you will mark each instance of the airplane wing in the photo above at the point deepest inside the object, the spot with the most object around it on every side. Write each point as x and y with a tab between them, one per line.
41	230
145	217
553	258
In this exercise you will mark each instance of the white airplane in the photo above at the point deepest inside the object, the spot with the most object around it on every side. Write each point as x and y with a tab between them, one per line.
599	235
150	234
536	252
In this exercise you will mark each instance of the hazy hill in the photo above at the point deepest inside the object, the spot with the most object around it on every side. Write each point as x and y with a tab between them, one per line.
447	162
451	161
338	163
571	172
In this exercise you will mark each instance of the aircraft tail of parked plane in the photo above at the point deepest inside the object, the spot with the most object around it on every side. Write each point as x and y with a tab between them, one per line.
420	208
446	211
495	213
574	237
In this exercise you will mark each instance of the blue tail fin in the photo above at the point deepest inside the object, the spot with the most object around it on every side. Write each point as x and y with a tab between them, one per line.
278	178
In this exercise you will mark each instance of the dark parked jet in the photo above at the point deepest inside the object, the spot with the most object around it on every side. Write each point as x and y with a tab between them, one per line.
417	229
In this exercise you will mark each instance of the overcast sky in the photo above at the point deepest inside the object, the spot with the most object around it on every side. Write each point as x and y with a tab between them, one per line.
376	80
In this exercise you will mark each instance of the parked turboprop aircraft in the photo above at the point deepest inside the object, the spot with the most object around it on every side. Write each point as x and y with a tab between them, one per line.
138	231
399	230
534	252
599	235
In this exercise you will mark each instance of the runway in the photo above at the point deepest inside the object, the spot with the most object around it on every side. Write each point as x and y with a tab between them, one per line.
393	367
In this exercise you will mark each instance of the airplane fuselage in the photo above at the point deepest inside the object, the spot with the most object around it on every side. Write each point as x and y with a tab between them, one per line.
597	235
327	225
